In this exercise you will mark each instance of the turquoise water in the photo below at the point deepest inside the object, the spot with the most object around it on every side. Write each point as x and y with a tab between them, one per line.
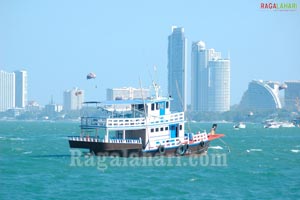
36	163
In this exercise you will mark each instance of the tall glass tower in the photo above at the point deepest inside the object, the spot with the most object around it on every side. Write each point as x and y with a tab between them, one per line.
177	69
7	90
210	80
21	88
219	85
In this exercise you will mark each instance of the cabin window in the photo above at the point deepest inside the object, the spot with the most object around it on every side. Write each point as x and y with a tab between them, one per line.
152	130
180	127
157	129
162	129
160	105
166	128
141	107
167	104
152	106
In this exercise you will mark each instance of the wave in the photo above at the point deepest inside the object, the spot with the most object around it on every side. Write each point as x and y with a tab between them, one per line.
27	152
216	147
295	150
16	139
252	150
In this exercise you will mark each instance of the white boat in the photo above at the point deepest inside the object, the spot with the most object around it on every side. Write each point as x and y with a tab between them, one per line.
278	124
239	125
148	128
272	125
287	125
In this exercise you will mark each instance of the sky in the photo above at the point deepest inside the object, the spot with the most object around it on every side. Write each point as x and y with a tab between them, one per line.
60	42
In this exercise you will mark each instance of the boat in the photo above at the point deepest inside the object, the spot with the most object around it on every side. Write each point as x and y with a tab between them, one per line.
139	127
272	125
287	125
278	124
239	125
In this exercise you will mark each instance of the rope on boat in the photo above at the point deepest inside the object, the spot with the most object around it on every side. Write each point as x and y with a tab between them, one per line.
228	148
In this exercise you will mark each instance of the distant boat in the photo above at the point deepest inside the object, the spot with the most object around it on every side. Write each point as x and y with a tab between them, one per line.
278	124
272	125
287	125
239	125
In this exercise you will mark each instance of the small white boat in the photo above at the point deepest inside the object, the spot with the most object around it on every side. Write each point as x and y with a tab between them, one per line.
272	125
239	125
287	125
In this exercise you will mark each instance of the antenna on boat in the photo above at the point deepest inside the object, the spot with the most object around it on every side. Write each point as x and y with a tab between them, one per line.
181	101
145	113
156	89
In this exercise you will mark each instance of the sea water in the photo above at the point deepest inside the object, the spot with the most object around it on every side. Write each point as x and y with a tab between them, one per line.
251	163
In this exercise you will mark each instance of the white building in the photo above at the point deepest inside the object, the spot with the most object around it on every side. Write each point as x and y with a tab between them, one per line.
292	95
21	89
177	69
73	99
219	85
127	93
7	90
262	95
210	80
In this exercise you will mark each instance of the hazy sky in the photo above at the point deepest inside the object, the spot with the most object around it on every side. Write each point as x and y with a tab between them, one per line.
60	41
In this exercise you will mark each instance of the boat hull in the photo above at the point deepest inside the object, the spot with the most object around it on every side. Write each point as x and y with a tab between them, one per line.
136	150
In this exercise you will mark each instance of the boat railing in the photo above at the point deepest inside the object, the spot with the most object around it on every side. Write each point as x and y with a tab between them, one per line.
166	143
93	139
94	122
125	122
127	141
198	137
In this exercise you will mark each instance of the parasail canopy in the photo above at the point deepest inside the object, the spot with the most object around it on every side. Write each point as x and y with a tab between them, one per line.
91	76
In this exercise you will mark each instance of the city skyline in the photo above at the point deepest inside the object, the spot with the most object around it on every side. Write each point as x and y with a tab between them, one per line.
58	43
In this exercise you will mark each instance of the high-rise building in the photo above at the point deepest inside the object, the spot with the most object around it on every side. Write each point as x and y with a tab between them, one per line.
7	90
262	95
292	95
73	99
21	89
210	80
219	85
127	93
177	69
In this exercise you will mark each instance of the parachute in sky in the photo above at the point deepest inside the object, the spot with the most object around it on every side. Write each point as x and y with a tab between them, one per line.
91	76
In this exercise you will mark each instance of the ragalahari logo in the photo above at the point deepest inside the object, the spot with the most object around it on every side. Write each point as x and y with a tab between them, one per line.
278	6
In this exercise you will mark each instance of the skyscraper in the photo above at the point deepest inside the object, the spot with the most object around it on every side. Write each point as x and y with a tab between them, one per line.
177	69
73	99
210	80
219	85
21	89
7	90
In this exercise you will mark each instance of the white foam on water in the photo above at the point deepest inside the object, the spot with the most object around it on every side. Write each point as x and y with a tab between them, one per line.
17	139
295	150
252	150
27	152
215	147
